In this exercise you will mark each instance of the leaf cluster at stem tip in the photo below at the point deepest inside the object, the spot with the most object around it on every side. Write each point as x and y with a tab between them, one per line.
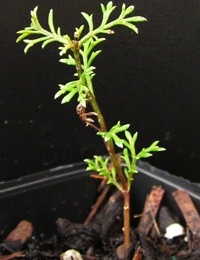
83	85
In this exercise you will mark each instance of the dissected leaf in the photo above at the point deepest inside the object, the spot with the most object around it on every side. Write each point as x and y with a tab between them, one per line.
83	54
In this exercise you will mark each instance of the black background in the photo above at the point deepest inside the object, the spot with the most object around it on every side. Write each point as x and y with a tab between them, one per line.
150	80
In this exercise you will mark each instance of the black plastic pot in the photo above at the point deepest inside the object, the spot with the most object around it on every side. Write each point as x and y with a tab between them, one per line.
69	192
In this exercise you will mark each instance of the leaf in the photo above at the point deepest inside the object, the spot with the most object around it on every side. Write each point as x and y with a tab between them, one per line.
28	46
135	137
106	135
30	43
82	99
136	19
93	56
106	12
50	21
131	26
131	140
21	37
129	10
79	30
40	39
59	93
69	96
128	136
35	23
161	149
69	61
117	141
144	154
98	164
155	148
69	87
45	43
59	31
119	128
64	49
103	8
126	158
89	19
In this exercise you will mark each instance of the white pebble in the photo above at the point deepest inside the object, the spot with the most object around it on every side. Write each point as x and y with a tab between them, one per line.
174	230
71	254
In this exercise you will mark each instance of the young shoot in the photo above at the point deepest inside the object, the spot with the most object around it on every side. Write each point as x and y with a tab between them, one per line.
80	51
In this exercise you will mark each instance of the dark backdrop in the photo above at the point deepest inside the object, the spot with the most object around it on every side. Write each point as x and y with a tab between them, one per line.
151	80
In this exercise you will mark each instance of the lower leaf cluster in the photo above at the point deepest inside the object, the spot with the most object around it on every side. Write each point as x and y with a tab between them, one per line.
128	156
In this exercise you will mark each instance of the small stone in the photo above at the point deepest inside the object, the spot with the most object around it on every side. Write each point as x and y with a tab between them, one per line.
71	254
121	252
174	230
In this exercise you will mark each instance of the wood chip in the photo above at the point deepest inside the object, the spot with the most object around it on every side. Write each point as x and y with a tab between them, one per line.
97	205
12	256
138	254
188	210
19	235
150	209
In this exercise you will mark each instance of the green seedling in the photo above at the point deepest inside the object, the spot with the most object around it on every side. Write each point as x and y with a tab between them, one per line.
80	51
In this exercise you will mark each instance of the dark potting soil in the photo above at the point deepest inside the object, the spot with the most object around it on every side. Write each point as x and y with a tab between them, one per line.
99	239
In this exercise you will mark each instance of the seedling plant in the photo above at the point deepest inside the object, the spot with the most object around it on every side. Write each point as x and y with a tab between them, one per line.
80	51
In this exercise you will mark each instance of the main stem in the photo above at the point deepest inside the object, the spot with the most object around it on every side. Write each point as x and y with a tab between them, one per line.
126	228
110	148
